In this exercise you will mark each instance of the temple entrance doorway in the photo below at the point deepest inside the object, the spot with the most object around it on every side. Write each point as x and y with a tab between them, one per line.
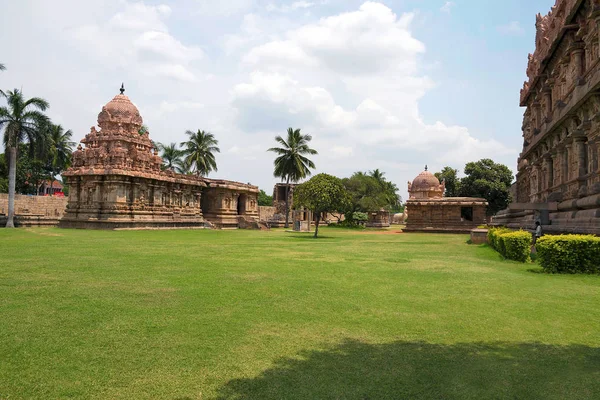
241	204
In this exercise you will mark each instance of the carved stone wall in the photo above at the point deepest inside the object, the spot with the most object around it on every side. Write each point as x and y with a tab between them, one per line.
561	124
116	181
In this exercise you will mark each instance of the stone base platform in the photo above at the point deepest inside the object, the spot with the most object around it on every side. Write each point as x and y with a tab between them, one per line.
28	221
581	216
458	229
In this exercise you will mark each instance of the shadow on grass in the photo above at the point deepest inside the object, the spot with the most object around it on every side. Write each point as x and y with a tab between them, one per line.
416	370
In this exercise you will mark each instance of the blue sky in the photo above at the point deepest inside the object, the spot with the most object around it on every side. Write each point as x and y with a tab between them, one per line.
382	84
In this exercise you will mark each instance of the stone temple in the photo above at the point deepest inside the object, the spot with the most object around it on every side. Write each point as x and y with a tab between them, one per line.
558	179
429	211
116	181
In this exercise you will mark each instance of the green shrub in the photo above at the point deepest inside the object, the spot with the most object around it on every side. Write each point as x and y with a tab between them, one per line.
494	236
516	245
569	254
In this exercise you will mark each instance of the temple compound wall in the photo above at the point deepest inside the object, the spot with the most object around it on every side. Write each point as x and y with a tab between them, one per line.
33	210
429	211
559	162
116	181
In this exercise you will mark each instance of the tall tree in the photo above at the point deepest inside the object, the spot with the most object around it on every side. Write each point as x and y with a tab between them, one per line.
60	148
2	67
489	180
323	193
450	176
292	165
22	120
199	151
170	154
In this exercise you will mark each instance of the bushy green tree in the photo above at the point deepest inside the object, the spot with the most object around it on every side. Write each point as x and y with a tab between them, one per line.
292	165
264	199
369	192
29	174
489	180
321	194
450	176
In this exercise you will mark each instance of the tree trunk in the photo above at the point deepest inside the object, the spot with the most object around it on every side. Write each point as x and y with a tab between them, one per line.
287	203
317	223
12	180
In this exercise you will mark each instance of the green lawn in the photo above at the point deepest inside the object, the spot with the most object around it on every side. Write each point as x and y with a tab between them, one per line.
276	315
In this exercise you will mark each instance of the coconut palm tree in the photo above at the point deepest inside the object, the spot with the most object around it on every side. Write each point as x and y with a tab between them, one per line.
170	154
378	175
23	121
60	148
199	152
292	165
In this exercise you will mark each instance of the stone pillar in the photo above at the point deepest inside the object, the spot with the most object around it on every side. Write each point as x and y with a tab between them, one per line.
553	171
580	148
537	109
565	164
548	100
577	54
549	178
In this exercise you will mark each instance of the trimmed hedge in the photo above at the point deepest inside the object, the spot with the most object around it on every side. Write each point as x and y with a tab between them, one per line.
494	236
569	254
516	245
513	245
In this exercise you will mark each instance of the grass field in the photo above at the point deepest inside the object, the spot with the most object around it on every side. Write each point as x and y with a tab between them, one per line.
276	315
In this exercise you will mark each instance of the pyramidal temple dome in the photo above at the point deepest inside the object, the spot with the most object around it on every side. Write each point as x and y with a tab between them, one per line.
120	110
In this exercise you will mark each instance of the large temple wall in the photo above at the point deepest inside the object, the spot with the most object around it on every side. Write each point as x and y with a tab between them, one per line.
561	124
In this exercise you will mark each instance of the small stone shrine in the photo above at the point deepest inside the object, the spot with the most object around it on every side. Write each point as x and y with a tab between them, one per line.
116	181
430	211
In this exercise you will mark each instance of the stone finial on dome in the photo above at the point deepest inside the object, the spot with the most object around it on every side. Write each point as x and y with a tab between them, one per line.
122	90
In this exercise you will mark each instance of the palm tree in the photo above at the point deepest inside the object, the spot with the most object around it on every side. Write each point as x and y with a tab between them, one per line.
59	150
182	167
378	175
22	121
198	152
291	164
170	154
390	189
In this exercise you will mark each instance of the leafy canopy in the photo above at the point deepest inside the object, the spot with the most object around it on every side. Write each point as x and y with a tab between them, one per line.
264	199
487	179
369	192
450	176
322	193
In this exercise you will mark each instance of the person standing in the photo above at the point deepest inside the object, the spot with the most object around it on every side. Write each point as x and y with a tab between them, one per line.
538	232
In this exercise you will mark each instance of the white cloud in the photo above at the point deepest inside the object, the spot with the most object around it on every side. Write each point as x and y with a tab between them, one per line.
297	5
138	38
447	7
512	28
353	81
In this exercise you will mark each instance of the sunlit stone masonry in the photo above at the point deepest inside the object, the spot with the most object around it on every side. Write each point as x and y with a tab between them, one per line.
429	211
116	181
558	178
